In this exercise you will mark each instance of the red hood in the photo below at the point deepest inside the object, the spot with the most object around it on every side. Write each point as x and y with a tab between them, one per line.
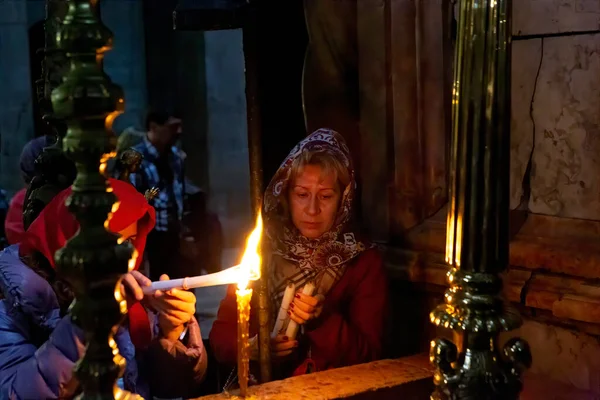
13	225
55	224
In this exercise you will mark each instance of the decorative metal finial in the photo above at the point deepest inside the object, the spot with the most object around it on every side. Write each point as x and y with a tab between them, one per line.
92	261
151	193
128	162
477	232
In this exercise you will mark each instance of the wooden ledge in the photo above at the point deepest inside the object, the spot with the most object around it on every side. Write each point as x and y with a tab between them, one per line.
558	245
553	273
556	299
408	378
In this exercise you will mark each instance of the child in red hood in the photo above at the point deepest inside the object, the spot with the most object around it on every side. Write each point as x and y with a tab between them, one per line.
39	344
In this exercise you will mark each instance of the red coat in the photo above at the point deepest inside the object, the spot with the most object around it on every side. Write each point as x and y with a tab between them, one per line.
349	331
13	225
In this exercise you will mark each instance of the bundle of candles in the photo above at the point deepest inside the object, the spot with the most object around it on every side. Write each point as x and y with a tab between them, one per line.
291	330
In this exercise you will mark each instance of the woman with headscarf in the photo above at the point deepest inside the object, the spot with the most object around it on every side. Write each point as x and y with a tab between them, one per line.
39	344
310	237
13	224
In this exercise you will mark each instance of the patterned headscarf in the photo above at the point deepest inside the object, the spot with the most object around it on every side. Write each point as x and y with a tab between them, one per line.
293	257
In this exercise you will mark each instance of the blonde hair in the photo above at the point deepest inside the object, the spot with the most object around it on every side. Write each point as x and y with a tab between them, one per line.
329	165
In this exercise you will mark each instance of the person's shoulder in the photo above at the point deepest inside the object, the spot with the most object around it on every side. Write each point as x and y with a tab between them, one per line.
140	147
371	256
178	153
369	263
23	287
19	198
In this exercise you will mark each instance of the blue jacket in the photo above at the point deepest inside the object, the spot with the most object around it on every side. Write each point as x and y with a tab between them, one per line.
38	348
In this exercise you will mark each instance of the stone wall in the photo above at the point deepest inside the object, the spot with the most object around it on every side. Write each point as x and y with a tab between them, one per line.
227	134
555	171
16	118
556	98
126	62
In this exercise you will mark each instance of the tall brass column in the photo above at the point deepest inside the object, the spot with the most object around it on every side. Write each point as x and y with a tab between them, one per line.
92	261
477	230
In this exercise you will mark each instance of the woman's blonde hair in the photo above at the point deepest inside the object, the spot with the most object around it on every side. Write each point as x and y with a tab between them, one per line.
329	165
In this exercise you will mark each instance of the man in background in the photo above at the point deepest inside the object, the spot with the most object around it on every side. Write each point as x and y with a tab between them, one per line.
162	168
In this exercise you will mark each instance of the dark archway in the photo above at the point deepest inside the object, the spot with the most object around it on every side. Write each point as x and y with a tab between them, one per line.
37	43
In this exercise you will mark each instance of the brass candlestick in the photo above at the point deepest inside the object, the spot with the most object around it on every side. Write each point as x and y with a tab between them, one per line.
92	261
477	232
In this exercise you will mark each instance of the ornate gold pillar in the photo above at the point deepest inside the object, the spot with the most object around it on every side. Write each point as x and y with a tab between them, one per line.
477	230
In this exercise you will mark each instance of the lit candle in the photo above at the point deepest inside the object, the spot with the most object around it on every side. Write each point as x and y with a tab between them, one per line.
243	306
248	268
292	329
225	277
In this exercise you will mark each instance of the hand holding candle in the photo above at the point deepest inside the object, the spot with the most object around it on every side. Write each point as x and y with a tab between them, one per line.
175	308
225	277
297	311
282	317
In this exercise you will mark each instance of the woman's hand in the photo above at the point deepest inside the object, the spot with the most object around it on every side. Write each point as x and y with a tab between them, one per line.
305	308
175	308
131	286
282	346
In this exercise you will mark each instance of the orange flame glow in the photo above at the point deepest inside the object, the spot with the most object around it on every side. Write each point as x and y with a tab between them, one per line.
104	159
250	265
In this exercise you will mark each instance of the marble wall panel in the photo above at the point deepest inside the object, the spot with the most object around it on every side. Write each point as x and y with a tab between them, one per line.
562	355
525	64
534	17
565	176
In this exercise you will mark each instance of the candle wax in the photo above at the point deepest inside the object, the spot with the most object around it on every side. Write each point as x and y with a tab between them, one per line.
243	307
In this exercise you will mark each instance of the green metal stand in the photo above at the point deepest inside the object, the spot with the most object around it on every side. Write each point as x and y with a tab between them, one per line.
92	261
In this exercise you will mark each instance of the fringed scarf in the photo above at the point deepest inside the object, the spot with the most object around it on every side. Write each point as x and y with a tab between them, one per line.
293	257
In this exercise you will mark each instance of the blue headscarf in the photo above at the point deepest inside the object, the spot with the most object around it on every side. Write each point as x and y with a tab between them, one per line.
30	153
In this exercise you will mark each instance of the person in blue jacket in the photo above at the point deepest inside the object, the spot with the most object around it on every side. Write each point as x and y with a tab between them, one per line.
39	343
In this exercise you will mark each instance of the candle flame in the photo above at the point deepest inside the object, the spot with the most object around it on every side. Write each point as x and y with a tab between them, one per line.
250	265
104	159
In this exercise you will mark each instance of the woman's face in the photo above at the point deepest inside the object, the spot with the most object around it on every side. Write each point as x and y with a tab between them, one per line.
314	200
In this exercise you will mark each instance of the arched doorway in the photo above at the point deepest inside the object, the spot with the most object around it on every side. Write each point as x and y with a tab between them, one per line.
36	58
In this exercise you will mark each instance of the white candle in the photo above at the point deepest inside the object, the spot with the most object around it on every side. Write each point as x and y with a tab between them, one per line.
292	329
288	296
225	277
